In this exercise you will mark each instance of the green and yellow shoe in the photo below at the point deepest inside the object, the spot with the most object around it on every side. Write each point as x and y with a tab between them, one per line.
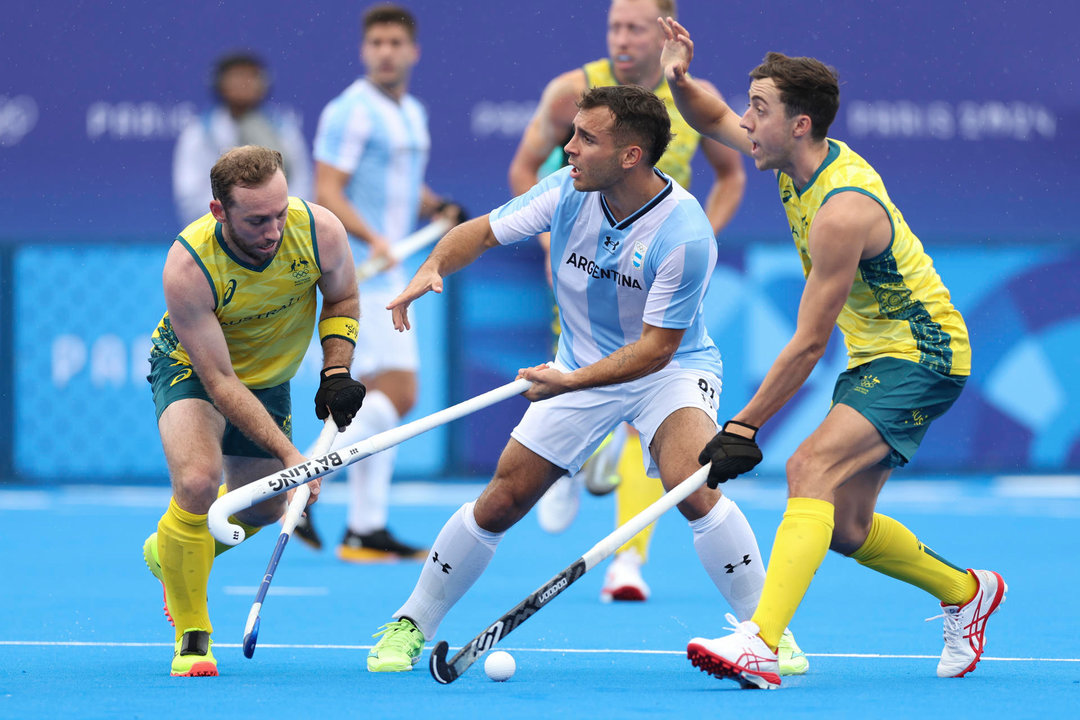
150	557
793	661
192	657
398	649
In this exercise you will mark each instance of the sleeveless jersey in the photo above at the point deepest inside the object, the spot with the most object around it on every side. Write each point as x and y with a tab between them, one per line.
675	162
267	313
898	307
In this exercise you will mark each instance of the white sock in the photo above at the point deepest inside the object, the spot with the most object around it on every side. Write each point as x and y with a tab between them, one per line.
458	557
369	479
729	551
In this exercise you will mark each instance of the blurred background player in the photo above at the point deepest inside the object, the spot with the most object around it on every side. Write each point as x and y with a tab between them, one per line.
240	85
245	272
634	43
371	151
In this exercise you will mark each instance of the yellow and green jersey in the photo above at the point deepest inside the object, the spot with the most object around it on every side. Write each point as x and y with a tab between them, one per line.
675	162
898	307
267	313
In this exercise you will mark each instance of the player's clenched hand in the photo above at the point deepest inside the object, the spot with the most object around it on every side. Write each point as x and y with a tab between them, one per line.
731	454
546	382
678	50
425	281
338	395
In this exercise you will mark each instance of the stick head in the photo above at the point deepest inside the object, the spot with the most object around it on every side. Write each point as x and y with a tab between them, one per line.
251	638
442	671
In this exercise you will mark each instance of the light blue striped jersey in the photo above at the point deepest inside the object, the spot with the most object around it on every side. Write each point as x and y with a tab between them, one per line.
610	277
383	144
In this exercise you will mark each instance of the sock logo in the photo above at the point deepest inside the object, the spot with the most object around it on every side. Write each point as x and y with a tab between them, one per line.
445	566
731	568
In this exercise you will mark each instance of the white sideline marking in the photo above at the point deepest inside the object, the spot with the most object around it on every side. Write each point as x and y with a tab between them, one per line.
282	590
569	651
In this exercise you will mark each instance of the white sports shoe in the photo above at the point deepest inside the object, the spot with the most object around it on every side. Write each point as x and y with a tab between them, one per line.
741	656
623	579
559	505
965	625
601	469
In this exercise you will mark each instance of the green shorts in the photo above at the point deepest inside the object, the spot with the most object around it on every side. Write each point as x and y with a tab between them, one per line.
900	398
172	381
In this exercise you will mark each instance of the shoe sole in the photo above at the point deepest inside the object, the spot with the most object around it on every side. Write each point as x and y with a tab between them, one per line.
368	555
147	558
199	669
999	600
624	594
718	667
391	668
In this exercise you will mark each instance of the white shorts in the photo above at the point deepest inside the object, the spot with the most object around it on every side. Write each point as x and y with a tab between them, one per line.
379	347
566	429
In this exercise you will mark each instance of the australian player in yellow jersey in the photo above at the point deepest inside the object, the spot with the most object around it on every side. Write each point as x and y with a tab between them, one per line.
867	273
240	286
634	45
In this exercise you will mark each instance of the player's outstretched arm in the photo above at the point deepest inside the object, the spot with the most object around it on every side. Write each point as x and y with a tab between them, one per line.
458	248
703	108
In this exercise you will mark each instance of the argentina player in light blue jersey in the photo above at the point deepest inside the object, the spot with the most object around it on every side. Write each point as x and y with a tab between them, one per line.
631	257
371	152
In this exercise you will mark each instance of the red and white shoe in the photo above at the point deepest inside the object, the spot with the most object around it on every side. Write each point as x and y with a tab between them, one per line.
965	625
741	656
623	580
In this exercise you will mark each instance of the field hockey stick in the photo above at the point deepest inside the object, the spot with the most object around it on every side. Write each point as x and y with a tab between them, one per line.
279	482
447	672
407	246
292	516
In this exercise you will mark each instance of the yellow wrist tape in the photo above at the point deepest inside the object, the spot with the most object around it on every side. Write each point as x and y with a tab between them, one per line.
346	328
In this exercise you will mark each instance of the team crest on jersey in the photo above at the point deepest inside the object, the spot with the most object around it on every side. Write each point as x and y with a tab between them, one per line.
299	269
639	253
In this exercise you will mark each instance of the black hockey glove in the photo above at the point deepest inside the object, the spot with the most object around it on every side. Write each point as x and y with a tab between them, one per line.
338	395
731	455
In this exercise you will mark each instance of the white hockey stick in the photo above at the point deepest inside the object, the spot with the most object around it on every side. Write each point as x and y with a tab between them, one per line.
271	485
447	671
292	516
420	239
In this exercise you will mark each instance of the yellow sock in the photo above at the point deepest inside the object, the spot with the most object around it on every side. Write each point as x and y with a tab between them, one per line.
893	550
636	492
186	551
249	530
802	540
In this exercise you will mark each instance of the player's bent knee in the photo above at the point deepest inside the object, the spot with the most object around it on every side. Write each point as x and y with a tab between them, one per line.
699	504
196	491
498	509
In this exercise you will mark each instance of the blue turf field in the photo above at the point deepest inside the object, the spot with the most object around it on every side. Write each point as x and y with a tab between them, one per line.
82	635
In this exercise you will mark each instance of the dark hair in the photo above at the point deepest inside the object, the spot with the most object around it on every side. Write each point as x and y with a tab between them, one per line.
807	87
389	13
244	166
240	58
640	117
